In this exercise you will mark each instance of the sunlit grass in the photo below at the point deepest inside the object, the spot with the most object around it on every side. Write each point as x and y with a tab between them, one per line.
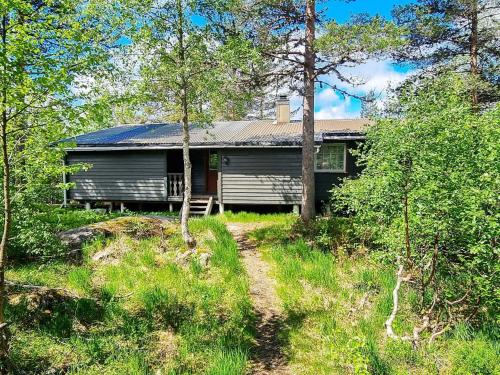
336	309
252	217
137	311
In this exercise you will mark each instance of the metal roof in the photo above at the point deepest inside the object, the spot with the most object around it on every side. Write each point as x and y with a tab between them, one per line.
263	133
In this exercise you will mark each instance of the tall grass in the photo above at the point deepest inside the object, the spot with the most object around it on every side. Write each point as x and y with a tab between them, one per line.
336	309
138	312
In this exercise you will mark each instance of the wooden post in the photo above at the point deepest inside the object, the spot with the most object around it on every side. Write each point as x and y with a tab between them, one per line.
87	206
221	208
122	207
296	209
65	192
219	177
171	207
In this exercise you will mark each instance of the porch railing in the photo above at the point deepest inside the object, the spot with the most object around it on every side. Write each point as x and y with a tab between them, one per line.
175	184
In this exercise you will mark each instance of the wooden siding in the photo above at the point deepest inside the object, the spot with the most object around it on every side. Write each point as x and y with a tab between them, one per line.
326	180
252	176
260	176
120	176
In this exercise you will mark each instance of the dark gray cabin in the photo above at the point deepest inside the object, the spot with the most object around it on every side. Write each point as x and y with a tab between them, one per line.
235	163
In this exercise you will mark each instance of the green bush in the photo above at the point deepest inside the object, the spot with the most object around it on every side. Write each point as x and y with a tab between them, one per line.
438	162
476	356
334	234
35	228
32	236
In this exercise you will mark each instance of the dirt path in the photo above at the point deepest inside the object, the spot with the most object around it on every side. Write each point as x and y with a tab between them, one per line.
267	357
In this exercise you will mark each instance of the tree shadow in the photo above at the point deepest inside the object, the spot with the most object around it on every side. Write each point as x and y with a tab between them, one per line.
53	311
273	338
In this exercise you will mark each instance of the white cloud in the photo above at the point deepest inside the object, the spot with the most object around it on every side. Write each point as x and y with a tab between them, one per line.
336	111
377	76
329	105
327	96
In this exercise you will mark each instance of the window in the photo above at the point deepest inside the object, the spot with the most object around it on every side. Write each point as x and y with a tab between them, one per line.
331	158
213	161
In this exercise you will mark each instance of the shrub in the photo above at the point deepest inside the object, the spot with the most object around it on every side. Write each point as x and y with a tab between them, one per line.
332	234
475	357
429	190
32	236
35	228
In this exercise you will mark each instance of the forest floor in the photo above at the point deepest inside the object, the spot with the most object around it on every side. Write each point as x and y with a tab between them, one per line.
268	302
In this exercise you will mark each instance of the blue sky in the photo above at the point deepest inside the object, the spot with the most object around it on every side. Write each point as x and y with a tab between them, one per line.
342	11
377	75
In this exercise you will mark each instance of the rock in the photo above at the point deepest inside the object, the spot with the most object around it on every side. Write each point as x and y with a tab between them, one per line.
101	211
75	238
136	226
102	254
183	258
114	251
204	259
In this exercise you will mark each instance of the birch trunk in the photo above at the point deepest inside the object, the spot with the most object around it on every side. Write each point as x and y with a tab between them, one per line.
308	199
186	205
4	333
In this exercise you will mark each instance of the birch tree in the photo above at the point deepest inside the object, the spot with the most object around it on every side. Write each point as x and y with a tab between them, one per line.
427	199
44	47
190	70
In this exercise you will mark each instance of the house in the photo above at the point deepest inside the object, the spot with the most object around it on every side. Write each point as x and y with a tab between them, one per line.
233	163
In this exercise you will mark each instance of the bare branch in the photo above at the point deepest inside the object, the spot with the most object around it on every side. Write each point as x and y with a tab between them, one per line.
395	298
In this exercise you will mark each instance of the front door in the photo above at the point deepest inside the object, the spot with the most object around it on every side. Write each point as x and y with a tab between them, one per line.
212	168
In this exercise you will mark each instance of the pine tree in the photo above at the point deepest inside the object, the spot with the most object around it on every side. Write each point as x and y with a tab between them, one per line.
455	35
287	35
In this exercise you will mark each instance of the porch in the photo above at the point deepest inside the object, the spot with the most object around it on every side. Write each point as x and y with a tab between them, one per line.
204	180
174	187
204	174
200	204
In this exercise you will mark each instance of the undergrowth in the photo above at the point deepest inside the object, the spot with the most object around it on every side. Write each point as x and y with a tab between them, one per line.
136	312
252	217
336	303
35	228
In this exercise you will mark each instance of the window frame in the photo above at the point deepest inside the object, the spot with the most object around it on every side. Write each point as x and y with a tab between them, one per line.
344	170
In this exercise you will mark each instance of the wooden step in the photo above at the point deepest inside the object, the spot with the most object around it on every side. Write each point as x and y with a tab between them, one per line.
204	201
201	206
200	212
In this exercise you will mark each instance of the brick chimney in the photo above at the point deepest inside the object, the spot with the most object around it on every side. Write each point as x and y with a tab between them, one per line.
282	109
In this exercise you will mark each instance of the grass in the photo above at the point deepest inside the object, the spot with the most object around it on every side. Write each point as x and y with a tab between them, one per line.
336	308
67	218
252	217
137	312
